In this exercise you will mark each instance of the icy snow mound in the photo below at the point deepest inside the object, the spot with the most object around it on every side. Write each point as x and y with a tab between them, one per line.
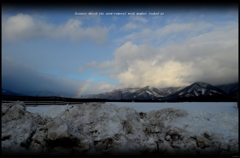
97	129
54	110
18	127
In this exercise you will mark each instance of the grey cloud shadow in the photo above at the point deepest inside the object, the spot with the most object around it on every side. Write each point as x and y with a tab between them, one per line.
21	78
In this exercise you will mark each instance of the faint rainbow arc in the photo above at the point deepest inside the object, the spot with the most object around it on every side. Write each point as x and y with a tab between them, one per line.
82	89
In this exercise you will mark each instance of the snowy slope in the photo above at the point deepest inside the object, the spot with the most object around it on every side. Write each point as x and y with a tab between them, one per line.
198	89
147	92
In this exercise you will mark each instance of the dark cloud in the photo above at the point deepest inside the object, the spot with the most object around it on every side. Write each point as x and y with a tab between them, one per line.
22	78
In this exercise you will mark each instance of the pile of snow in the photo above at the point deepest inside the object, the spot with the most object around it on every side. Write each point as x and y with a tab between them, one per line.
48	110
213	107
38	109
54	110
107	129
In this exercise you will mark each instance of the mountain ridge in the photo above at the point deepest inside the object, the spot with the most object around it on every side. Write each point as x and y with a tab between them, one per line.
197	89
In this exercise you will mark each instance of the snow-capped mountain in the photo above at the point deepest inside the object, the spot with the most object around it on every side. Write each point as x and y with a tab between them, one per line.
198	89
115	94
147	92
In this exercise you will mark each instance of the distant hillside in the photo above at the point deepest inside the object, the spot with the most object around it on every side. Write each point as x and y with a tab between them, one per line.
197	89
231	89
8	92
136	93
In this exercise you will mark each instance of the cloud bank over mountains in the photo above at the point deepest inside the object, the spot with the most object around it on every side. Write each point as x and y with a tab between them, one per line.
210	57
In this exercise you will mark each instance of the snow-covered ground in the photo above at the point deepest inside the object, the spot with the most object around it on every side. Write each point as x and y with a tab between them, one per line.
229	107
155	128
226	107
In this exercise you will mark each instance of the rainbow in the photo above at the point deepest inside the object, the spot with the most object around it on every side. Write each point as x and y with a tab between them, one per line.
82	89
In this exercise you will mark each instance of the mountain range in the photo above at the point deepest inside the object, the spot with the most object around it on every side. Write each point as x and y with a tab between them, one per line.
197	89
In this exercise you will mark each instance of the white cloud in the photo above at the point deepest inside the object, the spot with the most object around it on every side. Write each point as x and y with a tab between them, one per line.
138	65
171	31
136	22
208	53
23	26
190	27
129	53
105	87
26	27
129	26
143	73
138	19
100	87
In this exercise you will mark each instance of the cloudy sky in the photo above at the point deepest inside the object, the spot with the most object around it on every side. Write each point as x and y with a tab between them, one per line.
55	49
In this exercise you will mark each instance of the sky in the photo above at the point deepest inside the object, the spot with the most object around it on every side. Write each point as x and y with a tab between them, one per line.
59	49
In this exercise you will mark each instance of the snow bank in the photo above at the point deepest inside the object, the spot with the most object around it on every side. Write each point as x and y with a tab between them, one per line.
54	110
107	129
214	107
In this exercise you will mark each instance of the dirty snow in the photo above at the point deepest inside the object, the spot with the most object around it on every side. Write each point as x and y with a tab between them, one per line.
112	128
